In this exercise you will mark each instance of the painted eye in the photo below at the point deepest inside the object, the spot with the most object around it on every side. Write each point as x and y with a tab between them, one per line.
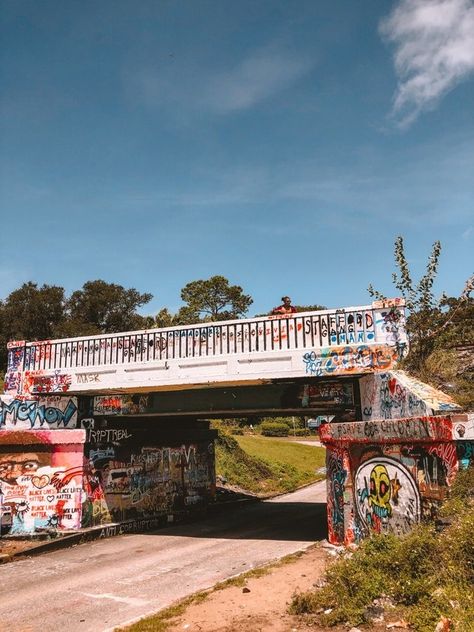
372	486
383	488
29	466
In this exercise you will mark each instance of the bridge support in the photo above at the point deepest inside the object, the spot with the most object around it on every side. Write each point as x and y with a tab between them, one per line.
61	470
385	476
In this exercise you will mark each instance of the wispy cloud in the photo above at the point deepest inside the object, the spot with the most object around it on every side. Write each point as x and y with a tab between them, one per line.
255	79
434	51
467	234
240	86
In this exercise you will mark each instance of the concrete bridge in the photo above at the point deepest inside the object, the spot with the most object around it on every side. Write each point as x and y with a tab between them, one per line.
345	341
113	429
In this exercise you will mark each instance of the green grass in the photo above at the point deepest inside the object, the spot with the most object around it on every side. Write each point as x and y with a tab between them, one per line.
264	465
425	574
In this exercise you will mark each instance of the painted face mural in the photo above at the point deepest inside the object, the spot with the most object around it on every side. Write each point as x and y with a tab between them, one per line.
38	495
380	492
387	498
15	465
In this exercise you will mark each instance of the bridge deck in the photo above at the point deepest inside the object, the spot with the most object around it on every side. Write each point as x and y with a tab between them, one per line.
330	342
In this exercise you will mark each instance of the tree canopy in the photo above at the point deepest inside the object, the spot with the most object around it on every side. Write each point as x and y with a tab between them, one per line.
107	307
214	299
30	313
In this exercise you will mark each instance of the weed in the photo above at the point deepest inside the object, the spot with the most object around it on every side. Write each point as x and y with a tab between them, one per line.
427	574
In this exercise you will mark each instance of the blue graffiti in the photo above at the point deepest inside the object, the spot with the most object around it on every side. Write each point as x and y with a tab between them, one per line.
33	411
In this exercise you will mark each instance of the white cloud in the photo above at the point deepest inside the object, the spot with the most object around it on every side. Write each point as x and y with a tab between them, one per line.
241	86
434	51
253	80
467	233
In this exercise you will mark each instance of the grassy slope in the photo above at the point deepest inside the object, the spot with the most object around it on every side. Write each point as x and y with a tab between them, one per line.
425	575
267	466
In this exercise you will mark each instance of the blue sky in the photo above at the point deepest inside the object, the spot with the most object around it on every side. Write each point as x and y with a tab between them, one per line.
282	144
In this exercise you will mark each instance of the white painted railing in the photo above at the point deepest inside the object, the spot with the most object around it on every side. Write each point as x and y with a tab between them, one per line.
377	323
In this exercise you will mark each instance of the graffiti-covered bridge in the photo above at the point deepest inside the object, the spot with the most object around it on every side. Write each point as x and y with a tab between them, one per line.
136	405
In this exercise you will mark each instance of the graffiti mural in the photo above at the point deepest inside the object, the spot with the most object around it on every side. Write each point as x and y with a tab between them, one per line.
121	404
341	360
386	496
39	383
395	395
336	478
397	472
327	392
41	481
48	412
414	428
125	479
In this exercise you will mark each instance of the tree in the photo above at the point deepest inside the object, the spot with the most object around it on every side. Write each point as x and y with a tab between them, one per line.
310	308
101	307
30	313
427	317
213	299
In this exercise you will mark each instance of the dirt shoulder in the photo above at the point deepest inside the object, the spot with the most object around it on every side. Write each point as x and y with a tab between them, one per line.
261	604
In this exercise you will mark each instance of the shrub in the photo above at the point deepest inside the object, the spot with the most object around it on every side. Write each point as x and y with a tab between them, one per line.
301	432
274	429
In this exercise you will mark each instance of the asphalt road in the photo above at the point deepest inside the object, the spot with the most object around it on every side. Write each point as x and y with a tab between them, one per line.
97	586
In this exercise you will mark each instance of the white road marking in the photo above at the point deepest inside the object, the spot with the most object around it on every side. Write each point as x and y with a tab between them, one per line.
131	601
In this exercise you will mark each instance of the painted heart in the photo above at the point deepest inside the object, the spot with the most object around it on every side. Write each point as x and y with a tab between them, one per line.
50	498
40	481
392	384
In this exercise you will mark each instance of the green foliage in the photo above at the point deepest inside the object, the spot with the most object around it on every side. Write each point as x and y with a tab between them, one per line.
310	308
238	467
30	313
425	574
214	299
107	307
434	325
274	429
301	432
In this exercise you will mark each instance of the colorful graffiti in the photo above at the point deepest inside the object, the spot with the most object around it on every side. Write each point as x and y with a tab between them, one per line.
37	495
125	481
395	395
336	478
340	360
421	428
339	327
38	383
327	392
390	325
386	496
398	471
120	404
51	412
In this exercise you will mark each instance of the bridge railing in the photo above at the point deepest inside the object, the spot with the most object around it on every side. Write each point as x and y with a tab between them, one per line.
327	328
